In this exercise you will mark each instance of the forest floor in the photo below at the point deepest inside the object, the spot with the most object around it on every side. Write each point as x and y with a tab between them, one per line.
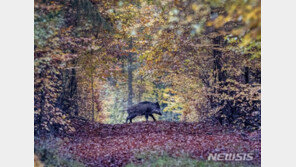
96	144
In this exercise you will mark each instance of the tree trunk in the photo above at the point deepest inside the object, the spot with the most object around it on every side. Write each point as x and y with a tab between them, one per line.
67	100
217	54
92	99
130	75
141	91
92	86
246	75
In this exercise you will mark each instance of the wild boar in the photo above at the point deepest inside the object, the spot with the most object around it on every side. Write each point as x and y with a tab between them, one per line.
143	108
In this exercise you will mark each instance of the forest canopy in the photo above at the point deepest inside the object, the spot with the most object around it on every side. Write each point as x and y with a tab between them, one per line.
200	59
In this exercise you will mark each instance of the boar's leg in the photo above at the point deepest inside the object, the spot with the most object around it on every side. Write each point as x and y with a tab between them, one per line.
146	116
132	117
152	117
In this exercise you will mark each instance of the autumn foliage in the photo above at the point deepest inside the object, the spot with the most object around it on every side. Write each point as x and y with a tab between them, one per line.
117	145
200	60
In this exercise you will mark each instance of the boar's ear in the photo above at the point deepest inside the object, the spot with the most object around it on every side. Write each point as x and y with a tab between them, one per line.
157	104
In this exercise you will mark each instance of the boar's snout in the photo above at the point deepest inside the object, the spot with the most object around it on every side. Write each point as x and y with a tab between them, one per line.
157	112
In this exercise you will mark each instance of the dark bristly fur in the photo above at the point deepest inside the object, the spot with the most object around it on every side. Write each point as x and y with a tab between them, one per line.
143	108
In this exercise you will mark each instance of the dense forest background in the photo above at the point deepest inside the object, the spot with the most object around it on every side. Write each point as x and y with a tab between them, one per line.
200	59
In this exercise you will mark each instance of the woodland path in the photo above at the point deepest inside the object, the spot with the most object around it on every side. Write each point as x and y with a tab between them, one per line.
116	145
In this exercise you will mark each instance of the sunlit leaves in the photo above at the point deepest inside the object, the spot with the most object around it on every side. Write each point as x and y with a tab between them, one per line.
172	49
246	13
